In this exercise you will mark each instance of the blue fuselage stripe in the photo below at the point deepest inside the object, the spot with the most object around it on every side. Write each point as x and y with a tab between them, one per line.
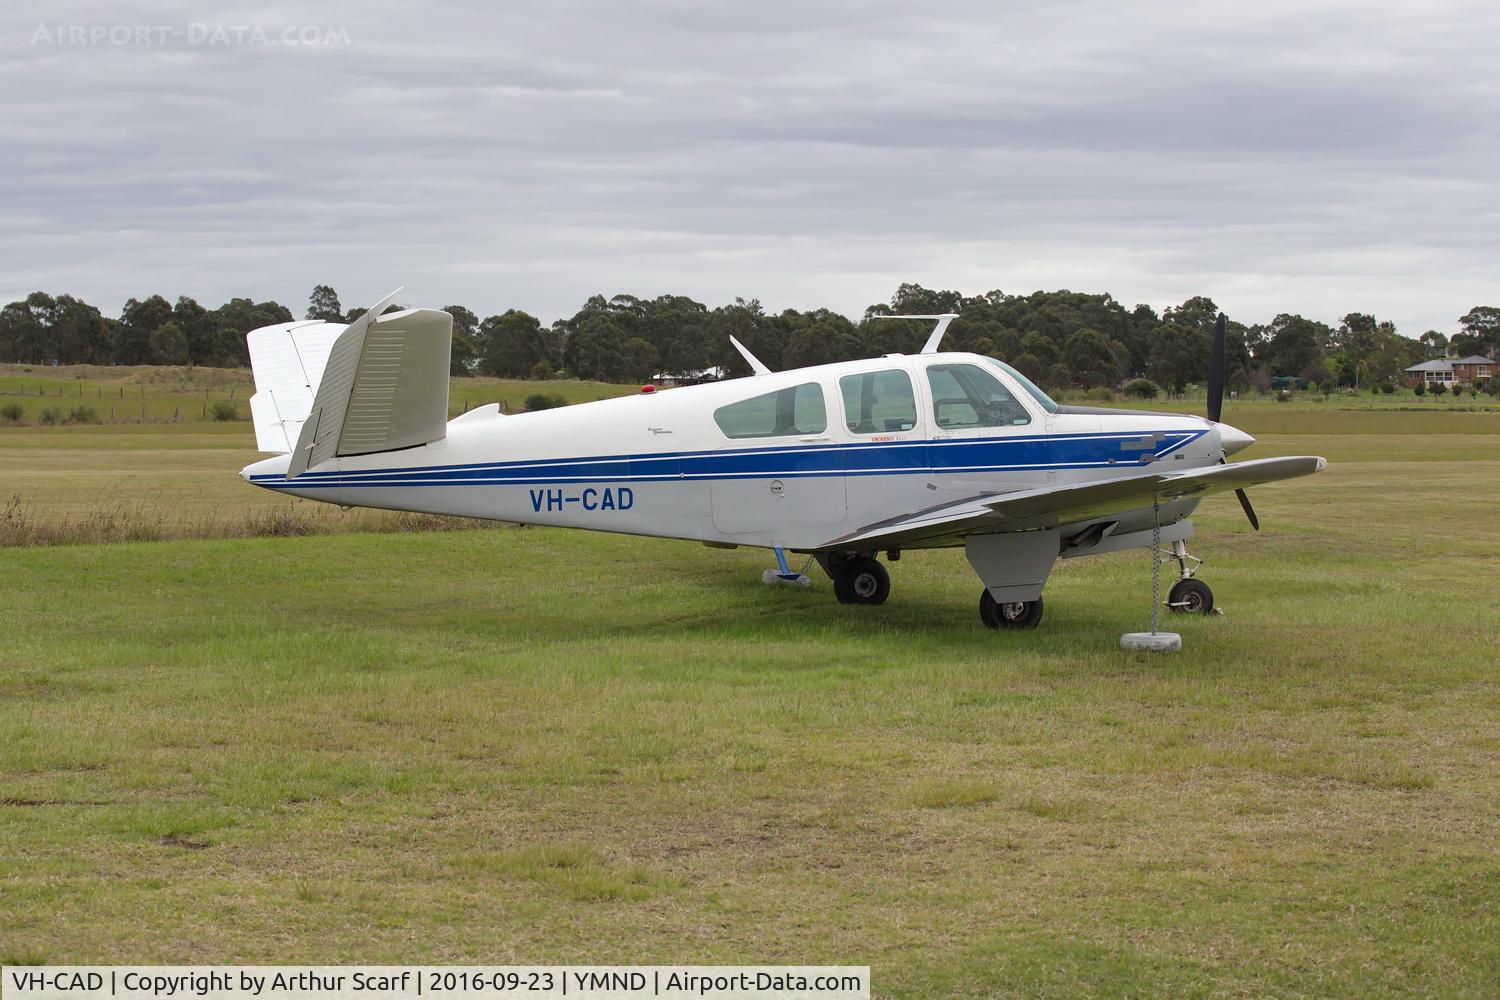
935	457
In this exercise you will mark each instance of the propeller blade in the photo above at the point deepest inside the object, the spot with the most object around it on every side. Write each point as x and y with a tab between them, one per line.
1249	510
1245	503
1216	373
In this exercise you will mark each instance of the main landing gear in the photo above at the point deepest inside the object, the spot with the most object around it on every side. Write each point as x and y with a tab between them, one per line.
857	578
1012	614
861	580
1188	595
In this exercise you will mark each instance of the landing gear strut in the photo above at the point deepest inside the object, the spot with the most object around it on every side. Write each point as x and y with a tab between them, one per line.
1188	595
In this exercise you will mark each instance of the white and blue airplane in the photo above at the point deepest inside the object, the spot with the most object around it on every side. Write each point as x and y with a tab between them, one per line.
841	462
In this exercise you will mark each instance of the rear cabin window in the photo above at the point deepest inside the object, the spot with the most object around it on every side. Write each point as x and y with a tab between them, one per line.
879	402
967	396
795	410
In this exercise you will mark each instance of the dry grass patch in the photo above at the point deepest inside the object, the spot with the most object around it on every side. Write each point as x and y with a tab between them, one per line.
137	522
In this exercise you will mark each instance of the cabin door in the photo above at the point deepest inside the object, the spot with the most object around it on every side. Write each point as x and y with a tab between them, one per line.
985	437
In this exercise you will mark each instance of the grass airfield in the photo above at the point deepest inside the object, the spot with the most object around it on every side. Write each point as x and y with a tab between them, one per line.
527	745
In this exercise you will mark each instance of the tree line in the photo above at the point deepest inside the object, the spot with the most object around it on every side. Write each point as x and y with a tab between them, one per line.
1061	339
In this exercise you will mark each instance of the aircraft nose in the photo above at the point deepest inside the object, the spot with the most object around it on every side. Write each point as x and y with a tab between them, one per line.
1232	439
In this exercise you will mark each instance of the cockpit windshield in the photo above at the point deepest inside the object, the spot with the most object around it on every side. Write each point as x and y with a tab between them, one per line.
1026	383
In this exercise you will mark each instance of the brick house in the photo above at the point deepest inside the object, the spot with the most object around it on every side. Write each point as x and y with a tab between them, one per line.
1450	371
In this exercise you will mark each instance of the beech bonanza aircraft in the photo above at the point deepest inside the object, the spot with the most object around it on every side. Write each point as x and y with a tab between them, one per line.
841	461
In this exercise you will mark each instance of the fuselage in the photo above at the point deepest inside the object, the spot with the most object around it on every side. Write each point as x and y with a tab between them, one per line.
790	459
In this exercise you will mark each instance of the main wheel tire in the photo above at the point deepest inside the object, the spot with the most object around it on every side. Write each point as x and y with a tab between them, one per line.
1191	597
1018	614
862	580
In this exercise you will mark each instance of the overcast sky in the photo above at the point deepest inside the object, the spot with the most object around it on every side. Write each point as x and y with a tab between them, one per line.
528	155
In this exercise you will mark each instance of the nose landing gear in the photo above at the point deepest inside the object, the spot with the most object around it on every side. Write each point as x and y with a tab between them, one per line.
1188	595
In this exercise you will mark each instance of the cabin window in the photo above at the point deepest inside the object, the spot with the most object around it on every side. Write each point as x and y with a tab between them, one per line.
797	409
879	402
1025	383
967	396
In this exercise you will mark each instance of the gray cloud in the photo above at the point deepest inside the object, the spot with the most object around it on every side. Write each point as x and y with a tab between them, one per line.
809	154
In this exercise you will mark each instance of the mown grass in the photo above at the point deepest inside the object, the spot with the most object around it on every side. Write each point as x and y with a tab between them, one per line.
541	746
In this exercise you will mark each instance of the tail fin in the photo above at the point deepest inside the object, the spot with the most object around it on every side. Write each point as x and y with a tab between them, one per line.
288	361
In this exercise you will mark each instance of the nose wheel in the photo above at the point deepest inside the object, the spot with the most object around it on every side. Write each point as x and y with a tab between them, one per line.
1189	595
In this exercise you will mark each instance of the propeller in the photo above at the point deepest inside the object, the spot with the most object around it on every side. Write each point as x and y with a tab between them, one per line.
1216	373
1216	365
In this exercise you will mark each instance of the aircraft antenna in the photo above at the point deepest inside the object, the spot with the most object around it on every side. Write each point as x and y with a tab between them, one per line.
756	364
943	319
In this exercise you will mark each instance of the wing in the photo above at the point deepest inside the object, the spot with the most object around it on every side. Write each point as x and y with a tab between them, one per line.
1051	506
